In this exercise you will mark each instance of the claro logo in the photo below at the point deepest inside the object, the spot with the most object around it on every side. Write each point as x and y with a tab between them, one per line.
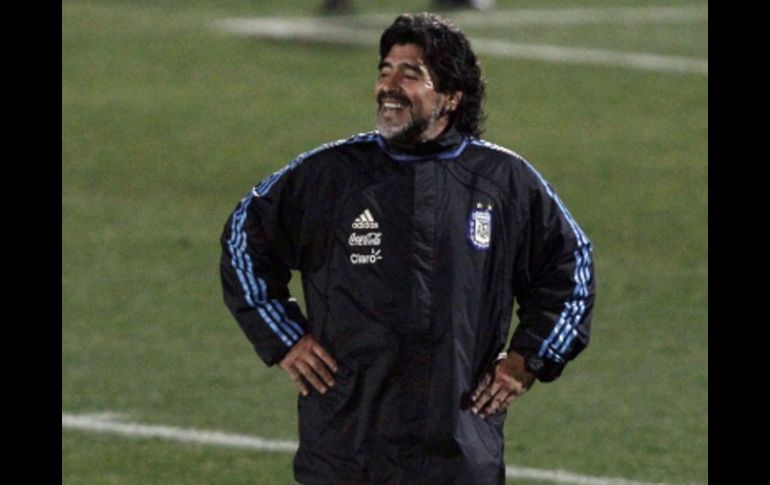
371	258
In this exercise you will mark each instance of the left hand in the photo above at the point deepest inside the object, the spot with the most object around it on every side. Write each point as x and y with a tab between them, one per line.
501	386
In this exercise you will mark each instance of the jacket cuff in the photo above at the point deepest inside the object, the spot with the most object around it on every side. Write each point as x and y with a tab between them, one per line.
544	369
274	352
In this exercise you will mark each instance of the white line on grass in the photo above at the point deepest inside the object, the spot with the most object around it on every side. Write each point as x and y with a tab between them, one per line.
322	30
311	29
563	16
553	53
101	425
104	423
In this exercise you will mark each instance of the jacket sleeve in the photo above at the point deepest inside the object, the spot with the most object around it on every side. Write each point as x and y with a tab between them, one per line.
258	250
553	284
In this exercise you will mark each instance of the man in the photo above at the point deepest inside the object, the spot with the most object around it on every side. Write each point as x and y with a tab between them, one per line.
412	242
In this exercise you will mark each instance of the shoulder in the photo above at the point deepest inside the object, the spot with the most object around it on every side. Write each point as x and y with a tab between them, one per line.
497	154
339	158
323	158
499	162
335	148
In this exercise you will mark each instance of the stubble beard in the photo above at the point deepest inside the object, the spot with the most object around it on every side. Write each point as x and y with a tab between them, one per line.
408	132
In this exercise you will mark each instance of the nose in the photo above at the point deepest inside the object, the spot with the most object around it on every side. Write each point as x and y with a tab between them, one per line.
389	84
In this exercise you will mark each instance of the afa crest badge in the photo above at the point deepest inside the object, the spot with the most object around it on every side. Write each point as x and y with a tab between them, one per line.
480	227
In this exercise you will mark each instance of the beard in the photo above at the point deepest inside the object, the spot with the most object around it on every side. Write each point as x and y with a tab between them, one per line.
410	130
405	132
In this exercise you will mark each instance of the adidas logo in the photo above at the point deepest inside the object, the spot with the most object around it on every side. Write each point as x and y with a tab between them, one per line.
365	221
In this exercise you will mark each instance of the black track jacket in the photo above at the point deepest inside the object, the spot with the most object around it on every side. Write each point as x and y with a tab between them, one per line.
410	264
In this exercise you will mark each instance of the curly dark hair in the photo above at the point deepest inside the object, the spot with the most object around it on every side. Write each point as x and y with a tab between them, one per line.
448	53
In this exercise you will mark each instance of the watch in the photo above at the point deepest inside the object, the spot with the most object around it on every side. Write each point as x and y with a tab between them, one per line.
534	364
545	370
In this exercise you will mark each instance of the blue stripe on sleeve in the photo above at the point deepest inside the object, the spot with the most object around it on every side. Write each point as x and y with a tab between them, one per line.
565	330
255	288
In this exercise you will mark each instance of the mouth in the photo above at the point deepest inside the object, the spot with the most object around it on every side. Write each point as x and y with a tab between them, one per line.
392	104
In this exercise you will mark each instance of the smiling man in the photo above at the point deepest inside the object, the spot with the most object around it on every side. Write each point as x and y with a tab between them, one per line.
410	109
413	242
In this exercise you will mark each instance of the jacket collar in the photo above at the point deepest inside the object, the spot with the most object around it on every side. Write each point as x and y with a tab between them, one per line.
449	145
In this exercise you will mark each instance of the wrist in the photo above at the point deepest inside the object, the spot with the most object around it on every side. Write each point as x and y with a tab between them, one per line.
545	370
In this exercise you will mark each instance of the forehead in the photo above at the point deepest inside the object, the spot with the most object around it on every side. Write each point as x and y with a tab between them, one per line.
405	53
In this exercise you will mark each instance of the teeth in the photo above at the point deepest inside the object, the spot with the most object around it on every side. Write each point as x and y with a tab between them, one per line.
392	106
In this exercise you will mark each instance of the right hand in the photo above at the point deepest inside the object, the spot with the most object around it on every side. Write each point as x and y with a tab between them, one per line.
309	362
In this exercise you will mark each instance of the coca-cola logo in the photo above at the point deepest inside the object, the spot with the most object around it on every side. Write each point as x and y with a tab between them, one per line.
368	239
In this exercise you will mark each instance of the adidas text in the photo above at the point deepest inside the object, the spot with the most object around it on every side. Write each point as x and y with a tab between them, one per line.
365	225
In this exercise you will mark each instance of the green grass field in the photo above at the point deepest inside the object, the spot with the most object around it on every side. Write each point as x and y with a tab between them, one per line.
166	123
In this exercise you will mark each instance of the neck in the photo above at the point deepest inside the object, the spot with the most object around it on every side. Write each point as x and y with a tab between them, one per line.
433	132
446	146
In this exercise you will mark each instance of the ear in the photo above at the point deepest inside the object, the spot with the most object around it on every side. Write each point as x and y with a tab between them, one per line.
453	100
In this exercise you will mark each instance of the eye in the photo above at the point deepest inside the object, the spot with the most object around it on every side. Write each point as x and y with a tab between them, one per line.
412	75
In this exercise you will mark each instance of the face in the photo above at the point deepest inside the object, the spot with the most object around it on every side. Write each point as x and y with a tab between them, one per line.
409	108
